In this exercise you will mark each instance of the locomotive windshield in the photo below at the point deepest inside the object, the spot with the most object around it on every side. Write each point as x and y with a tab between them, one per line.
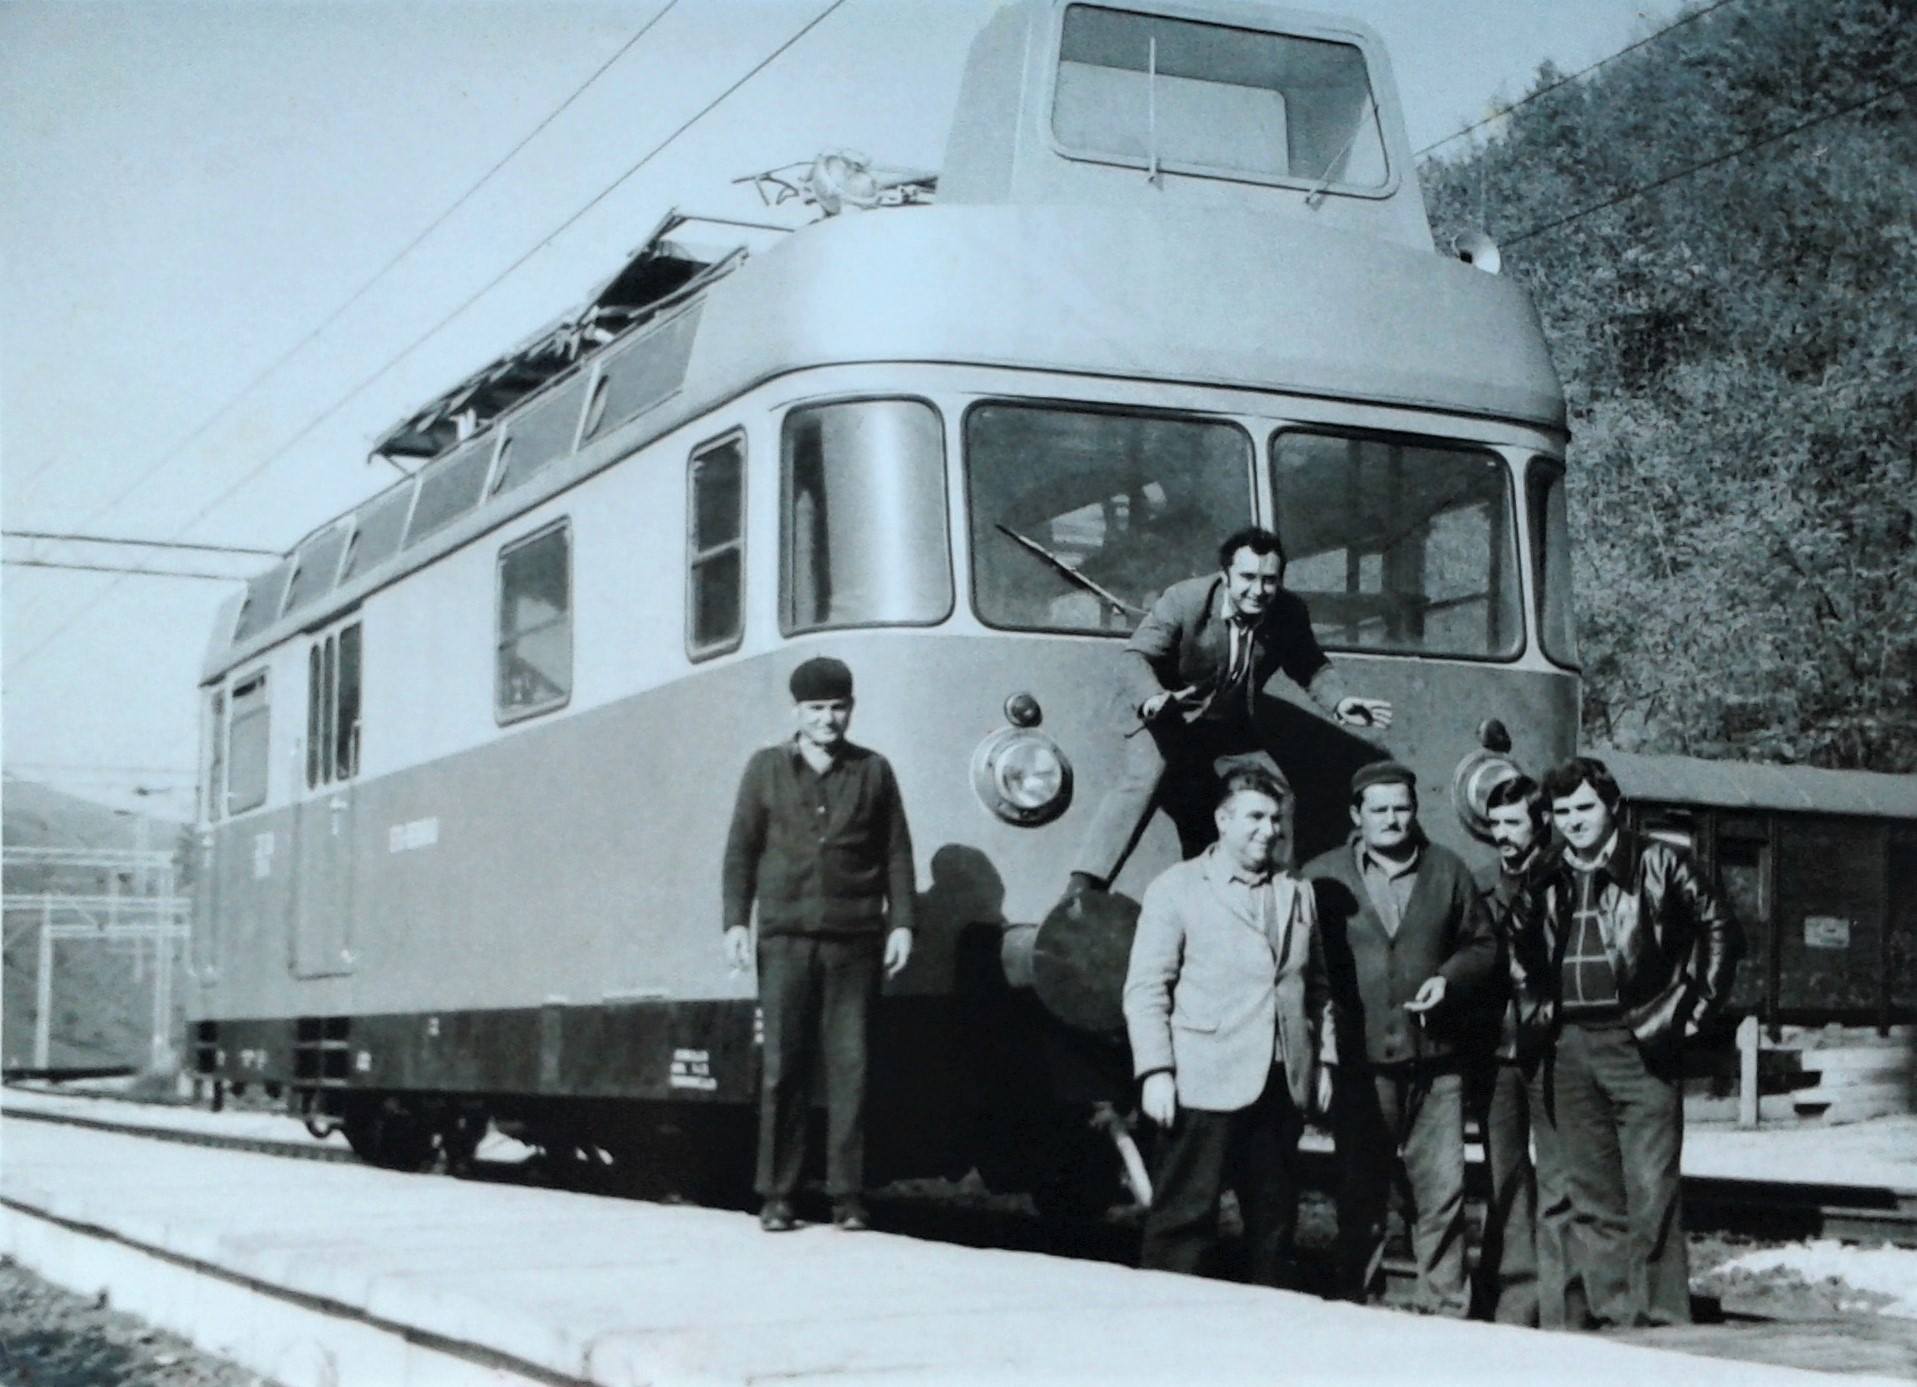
1398	544
1209	98
1081	517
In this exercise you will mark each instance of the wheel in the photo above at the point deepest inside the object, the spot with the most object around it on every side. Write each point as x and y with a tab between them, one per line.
386	1135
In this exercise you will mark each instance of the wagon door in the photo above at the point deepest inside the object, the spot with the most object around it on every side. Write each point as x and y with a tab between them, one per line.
323	829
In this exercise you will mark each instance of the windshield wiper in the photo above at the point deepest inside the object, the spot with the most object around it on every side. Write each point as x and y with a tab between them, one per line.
1317	193
1070	574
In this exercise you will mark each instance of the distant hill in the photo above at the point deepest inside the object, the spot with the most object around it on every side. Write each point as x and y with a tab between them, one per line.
102	990
1717	230
36	815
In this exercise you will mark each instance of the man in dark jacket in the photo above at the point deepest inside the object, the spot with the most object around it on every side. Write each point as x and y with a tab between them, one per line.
1626	950
1409	956
1521	1257
1189	681
819	842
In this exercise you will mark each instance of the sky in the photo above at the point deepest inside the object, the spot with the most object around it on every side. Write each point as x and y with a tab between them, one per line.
190	190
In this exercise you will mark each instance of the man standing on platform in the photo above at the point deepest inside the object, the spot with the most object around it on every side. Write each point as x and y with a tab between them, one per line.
1190	677
1409	955
1224	1001
1521	1258
819	842
1630	950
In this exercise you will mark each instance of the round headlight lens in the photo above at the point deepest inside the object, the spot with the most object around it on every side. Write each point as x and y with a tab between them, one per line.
1022	776
1029	774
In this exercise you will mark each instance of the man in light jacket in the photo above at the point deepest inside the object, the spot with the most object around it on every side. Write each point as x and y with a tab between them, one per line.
1224	1001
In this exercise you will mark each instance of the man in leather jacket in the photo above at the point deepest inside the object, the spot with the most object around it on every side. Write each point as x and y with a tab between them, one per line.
1626	950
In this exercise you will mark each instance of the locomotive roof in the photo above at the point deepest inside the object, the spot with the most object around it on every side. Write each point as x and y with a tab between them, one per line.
1750	785
1035	258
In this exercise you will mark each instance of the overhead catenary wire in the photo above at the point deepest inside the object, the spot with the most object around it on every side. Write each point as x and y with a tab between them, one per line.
123	570
1525	100
69	537
310	425
200	430
1676	175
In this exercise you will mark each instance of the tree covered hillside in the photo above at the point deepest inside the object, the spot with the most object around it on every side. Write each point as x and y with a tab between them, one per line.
1720	232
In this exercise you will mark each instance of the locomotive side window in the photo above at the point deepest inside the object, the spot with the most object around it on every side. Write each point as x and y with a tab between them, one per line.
262	605
449	487
376	537
1208	98
715	548
346	707
1073	508
534	670
1551	560
332	707
213	783
1399	544
540	433
315	566
864	535
247	745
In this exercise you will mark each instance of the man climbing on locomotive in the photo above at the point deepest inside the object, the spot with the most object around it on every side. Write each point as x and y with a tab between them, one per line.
1190	677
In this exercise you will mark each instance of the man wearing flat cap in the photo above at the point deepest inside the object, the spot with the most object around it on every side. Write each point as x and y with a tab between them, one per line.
1409	957
819	844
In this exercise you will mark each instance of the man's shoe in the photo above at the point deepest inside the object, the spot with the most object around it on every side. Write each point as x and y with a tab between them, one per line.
850	1215
776	1217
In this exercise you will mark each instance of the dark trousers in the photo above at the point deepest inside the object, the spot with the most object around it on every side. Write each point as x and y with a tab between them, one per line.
1621	1120
1254	1151
1521	1259
1376	1114
816	994
1179	759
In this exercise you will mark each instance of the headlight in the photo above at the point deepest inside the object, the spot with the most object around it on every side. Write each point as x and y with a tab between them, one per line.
1022	776
1476	776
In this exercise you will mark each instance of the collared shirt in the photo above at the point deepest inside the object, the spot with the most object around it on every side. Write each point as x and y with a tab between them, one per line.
1252	890
1597	861
819	852
1239	631
1389	885
1257	894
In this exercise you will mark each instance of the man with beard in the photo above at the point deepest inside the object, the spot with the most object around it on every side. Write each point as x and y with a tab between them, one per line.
1521	1259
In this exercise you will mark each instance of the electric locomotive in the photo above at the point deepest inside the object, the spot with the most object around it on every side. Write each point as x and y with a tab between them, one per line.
469	750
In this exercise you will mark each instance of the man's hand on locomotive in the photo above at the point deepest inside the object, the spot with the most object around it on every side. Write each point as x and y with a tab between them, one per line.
1353	711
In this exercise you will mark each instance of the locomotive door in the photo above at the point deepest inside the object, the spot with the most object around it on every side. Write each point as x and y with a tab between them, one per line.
323	823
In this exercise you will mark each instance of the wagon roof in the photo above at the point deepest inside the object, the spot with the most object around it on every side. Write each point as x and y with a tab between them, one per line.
1750	785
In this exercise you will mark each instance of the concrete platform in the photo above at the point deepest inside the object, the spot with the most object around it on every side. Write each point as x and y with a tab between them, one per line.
339	1274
